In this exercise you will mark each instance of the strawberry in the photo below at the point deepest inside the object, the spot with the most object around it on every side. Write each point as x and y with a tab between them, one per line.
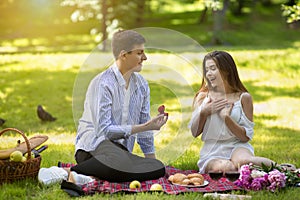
161	109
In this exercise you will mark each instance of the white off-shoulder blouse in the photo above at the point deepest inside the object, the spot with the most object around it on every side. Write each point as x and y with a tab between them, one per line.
219	141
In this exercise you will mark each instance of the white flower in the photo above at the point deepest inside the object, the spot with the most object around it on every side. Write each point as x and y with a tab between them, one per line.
256	173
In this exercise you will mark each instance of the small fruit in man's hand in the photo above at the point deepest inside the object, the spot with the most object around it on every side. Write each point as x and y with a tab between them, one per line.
156	187
161	109
16	156
135	184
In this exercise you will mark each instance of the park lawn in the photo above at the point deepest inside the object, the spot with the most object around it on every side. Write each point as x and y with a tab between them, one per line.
30	79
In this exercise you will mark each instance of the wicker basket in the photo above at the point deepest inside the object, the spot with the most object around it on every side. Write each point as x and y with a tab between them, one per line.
13	171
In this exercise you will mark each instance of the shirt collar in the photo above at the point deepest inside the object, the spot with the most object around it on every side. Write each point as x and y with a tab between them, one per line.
120	77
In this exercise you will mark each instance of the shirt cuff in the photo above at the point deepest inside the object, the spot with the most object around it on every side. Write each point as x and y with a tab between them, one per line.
127	129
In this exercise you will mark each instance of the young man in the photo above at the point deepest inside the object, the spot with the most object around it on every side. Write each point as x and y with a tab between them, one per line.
116	112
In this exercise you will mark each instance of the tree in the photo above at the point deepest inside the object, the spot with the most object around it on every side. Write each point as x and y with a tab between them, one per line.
291	11
112	14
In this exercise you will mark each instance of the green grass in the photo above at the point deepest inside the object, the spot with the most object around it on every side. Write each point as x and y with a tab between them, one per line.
31	79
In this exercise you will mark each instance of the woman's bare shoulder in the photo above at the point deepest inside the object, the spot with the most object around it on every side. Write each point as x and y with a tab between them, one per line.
246	98
199	98
201	95
247	104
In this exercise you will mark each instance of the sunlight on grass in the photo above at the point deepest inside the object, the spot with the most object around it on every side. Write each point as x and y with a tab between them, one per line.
176	7
21	42
287	113
275	143
296	44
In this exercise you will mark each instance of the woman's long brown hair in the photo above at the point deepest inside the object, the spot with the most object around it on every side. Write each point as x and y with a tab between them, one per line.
228	71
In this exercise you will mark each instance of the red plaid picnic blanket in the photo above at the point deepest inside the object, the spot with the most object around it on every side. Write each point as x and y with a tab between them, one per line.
102	186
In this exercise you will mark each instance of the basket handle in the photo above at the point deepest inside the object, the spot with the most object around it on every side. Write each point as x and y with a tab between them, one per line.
24	136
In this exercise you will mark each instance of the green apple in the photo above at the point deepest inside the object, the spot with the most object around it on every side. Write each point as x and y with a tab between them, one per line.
24	159
16	156
135	184
32	155
156	187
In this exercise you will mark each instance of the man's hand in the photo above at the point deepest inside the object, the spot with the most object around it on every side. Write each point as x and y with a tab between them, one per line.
157	122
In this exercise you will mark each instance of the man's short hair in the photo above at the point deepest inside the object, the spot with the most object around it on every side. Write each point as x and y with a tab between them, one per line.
125	40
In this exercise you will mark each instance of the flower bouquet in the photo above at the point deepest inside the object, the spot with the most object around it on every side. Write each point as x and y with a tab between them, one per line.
271	178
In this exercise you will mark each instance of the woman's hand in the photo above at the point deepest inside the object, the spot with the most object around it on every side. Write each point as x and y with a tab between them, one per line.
226	111
214	106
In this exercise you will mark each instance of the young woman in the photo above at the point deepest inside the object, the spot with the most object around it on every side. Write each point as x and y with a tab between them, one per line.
224	116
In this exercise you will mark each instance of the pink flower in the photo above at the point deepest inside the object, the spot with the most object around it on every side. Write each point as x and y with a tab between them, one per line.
245	170
277	179
256	185
259	183
254	178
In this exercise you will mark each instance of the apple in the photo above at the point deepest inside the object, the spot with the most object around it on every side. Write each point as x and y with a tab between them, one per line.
24	159
16	156
32	155
156	187
135	184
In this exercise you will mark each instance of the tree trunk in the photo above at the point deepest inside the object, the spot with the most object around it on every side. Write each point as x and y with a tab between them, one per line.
104	25
238	10
294	25
266	3
140	13
202	17
219	16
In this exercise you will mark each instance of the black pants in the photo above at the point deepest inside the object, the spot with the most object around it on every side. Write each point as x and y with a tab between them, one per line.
112	163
